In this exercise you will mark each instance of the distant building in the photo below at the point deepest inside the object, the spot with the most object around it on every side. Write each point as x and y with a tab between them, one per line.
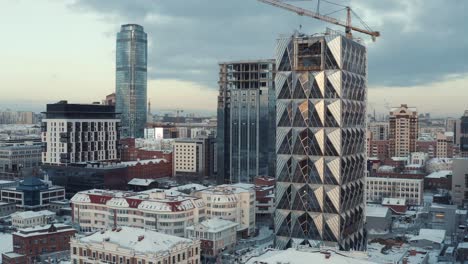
32	194
438	180
428	146
379	188
460	181
110	99
429	238
193	158
464	134
396	205
17	117
235	202
378	220
74	133
167	211
448	218
7	208
132	245
19	158
444	147
131	79
379	130
216	235
30	243
31	219
246	120
265	199
403	130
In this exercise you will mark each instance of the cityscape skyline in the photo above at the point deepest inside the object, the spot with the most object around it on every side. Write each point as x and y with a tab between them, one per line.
420	86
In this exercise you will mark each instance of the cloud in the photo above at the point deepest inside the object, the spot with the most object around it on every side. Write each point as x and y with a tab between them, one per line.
422	40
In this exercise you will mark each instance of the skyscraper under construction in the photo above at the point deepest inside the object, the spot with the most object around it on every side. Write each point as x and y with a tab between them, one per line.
321	86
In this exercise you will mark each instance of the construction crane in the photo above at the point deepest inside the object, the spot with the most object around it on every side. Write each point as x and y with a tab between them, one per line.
347	25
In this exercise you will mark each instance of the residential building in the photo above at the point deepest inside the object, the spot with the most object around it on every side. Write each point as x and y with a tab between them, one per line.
216	236
19	158
234	202
32	194
30	243
379	188
31	219
246	120
193	158
429	238
321	141
135	246
427	145
131	79
167	211
379	149
379	130
265	199
444	147
460	181
464	135
17	117
403	133
75	133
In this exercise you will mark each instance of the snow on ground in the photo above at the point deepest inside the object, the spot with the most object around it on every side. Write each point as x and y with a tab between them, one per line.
6	243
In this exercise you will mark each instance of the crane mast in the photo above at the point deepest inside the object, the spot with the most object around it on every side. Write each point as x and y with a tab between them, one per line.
304	12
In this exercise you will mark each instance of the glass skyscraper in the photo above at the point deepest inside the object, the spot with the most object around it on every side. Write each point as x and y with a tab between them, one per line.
130	79
321	87
246	121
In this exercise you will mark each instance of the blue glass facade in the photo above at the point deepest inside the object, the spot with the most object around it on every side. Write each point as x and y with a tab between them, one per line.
131	79
246	121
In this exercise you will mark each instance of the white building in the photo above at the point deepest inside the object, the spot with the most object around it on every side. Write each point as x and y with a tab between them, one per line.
31	219
74	133
235	202
188	157
135	246
166	211
418	158
216	235
379	188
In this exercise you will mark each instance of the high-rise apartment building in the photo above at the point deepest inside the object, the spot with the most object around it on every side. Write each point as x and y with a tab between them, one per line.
130	79
321	87
403	132
246	121
73	133
463	135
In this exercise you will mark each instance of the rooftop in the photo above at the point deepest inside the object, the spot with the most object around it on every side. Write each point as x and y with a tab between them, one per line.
394	201
376	211
31	214
213	225
141	182
140	240
434	235
439	174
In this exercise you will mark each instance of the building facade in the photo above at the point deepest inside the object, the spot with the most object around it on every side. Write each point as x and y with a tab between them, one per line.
321	88
166	211
128	245
460	181
31	219
74	133
403	130
30	243
190	158
19	158
131	79
246	121
444	148
379	130
379	188
235	202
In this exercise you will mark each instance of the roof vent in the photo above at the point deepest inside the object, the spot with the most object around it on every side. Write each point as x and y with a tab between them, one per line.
140	238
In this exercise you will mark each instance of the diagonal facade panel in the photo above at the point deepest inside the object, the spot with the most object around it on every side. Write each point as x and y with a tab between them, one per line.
320	103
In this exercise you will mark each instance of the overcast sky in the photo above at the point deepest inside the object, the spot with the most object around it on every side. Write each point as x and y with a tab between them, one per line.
53	50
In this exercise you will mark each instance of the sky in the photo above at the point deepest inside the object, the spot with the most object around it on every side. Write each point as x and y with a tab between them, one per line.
53	50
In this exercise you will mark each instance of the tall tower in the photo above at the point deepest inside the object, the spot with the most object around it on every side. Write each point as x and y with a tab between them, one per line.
130	79
321	89
403	130
246	121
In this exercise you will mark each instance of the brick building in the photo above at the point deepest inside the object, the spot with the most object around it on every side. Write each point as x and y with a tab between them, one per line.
30	243
130	152
265	199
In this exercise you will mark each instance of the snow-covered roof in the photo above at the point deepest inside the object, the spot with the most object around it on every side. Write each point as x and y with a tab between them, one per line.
141	182
386	168
137	239
376	211
399	158
394	201
463	245
38	230
190	186
293	256
213	225
440	160
32	214
439	174
434	235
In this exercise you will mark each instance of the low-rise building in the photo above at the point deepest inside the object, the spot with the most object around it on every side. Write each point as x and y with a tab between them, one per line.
379	188
135	246
33	194
265	199
167	211
378	220
7	209
428	238
438	180
447	217
460	181
396	205
233	202
216	236
31	219
30	243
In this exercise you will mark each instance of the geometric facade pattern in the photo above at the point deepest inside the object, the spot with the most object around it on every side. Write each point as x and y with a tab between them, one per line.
321	90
